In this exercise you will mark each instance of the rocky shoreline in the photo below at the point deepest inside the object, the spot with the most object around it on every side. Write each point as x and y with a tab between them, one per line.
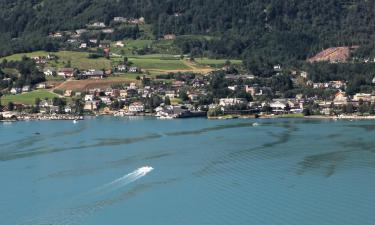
41	117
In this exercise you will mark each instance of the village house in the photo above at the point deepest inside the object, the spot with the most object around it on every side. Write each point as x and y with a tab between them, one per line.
120	19
233	88
108	92
169	37
337	84
94	74
68	93
66	72
49	71
340	98
41	86
91	105
170	94
123	93
232	101
93	41
108	31
81	31
362	97
121	68
106	100
303	74
15	91
26	88
240	77
193	97
136	107
119	44
133	69
89	97
83	45
132	86
72	40
68	109
257	91
97	25
278	105
277	68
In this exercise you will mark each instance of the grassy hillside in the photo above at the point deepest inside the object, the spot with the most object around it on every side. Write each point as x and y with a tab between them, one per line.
77	59
27	98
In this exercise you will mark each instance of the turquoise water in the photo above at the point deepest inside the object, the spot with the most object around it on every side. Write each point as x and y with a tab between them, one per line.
205	172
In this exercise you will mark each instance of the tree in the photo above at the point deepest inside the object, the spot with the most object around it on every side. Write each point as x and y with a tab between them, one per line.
167	101
213	112
349	108
10	106
183	95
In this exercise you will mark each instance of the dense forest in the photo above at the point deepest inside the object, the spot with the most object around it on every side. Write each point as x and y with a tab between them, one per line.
276	30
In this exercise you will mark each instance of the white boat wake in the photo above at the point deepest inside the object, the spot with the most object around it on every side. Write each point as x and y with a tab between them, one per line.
122	181
75	215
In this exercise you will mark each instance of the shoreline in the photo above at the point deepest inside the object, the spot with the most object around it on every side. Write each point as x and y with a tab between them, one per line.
36	117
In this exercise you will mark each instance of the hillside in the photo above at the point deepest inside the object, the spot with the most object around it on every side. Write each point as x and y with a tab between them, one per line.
334	54
272	30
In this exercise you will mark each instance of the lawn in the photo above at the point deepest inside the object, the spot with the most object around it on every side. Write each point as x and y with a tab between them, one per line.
27	98
156	62
125	77
18	57
216	62
78	60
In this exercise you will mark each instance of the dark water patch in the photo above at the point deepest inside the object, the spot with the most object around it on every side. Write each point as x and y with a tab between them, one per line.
357	145
34	139
209	129
327	162
366	127
123	141
106	166
281	138
11	155
242	154
76	215
332	136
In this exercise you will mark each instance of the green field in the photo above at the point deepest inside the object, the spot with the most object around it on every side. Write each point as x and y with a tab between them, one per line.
216	62
27	98
160	64
78	60
154	63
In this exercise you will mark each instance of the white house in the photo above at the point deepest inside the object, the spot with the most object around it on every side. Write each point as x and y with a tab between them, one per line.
121	68
363	96
232	101
15	91
26	88
89	97
91	105
278	105
136	107
83	45
133	69
120	44
49	71
170	94
68	109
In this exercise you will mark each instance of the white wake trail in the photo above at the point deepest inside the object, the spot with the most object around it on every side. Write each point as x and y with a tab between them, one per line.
127	179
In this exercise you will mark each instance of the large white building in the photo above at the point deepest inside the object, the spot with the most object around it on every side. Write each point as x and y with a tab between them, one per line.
232	101
136	107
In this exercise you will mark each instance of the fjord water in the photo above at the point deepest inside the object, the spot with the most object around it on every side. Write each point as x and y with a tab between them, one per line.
177	172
